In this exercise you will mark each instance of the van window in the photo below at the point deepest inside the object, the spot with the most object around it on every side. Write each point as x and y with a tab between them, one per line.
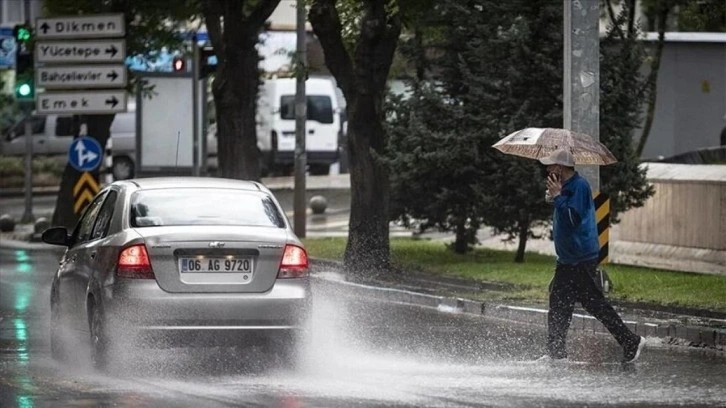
64	126
319	108
37	125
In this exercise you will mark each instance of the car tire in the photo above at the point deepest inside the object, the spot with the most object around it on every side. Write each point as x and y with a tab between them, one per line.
98	338
122	168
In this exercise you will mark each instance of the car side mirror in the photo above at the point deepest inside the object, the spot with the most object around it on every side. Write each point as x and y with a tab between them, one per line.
56	236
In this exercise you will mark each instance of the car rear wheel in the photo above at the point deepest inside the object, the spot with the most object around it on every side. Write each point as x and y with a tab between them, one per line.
99	341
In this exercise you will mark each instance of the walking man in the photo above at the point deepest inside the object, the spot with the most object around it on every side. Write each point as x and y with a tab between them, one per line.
577	248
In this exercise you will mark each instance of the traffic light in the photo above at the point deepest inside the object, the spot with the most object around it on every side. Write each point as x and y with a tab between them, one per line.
178	64
24	81
207	61
21	33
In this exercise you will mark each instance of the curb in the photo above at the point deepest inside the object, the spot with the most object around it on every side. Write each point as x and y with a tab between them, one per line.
684	335
37	191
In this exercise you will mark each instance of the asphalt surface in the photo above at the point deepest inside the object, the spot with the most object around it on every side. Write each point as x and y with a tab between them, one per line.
368	346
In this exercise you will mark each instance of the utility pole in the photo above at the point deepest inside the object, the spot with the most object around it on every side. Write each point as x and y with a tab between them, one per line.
195	106
581	98
300	119
28	212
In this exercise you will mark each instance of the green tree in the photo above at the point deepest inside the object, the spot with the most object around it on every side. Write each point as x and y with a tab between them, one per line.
623	90
502	68
359	40
502	71
8	110
436	169
150	25
234	27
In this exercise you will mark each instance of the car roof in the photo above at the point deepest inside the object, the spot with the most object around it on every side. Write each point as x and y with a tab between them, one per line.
151	183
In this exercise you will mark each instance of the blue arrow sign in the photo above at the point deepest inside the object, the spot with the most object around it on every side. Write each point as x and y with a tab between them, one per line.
85	154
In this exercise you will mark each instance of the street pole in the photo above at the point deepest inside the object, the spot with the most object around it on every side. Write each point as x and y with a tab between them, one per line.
28	213
195	104
581	97
300	119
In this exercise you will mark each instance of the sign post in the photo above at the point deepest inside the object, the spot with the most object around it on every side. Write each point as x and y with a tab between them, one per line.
80	71
78	53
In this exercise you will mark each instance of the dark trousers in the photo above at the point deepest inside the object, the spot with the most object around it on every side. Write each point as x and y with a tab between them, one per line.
573	283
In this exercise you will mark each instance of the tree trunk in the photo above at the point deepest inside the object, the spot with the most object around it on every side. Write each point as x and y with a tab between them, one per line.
368	247
235	97
523	235
652	83
99	128
362	76
460	244
234	28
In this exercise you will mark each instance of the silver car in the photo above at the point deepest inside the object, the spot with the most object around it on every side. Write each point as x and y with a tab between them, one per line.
179	262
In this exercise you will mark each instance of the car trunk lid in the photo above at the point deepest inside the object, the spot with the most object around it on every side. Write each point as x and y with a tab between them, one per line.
224	259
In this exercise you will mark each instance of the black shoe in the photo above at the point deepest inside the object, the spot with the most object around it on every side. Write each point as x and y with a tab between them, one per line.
632	352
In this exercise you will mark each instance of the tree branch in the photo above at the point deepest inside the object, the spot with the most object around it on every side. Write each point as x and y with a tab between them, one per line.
631	18
652	82
212	11
614	20
327	27
378	40
263	12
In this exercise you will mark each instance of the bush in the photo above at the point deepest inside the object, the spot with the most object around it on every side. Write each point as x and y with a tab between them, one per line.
11	166
47	171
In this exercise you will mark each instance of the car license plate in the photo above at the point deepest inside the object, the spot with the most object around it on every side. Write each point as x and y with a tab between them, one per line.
203	265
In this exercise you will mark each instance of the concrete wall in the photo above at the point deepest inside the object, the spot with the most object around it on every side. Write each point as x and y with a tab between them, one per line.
687	214
683	226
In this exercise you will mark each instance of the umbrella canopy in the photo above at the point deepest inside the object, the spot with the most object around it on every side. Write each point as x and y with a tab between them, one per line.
536	143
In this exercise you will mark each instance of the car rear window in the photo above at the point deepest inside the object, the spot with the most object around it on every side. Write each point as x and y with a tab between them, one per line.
203	206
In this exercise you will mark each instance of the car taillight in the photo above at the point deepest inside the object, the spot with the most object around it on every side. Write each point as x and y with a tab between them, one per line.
294	263
133	262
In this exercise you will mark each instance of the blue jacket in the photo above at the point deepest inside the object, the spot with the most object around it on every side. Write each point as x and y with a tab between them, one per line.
575	228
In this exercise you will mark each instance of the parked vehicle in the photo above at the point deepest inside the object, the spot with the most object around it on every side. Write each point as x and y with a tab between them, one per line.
151	263
276	124
52	136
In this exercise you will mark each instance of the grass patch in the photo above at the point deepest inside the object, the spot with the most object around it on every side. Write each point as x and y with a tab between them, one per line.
47	171
631	284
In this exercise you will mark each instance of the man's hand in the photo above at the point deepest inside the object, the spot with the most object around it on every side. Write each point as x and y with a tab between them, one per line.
554	186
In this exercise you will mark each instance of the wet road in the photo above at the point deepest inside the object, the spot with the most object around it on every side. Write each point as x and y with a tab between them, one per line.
360	353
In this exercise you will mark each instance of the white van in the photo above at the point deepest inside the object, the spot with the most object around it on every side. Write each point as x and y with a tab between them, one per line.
276	124
52	136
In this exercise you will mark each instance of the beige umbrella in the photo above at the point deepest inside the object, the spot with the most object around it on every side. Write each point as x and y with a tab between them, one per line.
535	143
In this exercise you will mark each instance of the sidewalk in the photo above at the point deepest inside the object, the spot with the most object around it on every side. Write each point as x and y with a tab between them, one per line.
700	329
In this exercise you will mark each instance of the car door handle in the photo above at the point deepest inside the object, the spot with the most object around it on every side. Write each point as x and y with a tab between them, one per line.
311	131
41	141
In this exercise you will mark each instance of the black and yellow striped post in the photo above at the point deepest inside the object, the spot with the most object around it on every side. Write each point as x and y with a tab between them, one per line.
85	188
602	216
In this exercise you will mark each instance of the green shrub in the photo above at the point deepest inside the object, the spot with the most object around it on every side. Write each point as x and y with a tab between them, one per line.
11	166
